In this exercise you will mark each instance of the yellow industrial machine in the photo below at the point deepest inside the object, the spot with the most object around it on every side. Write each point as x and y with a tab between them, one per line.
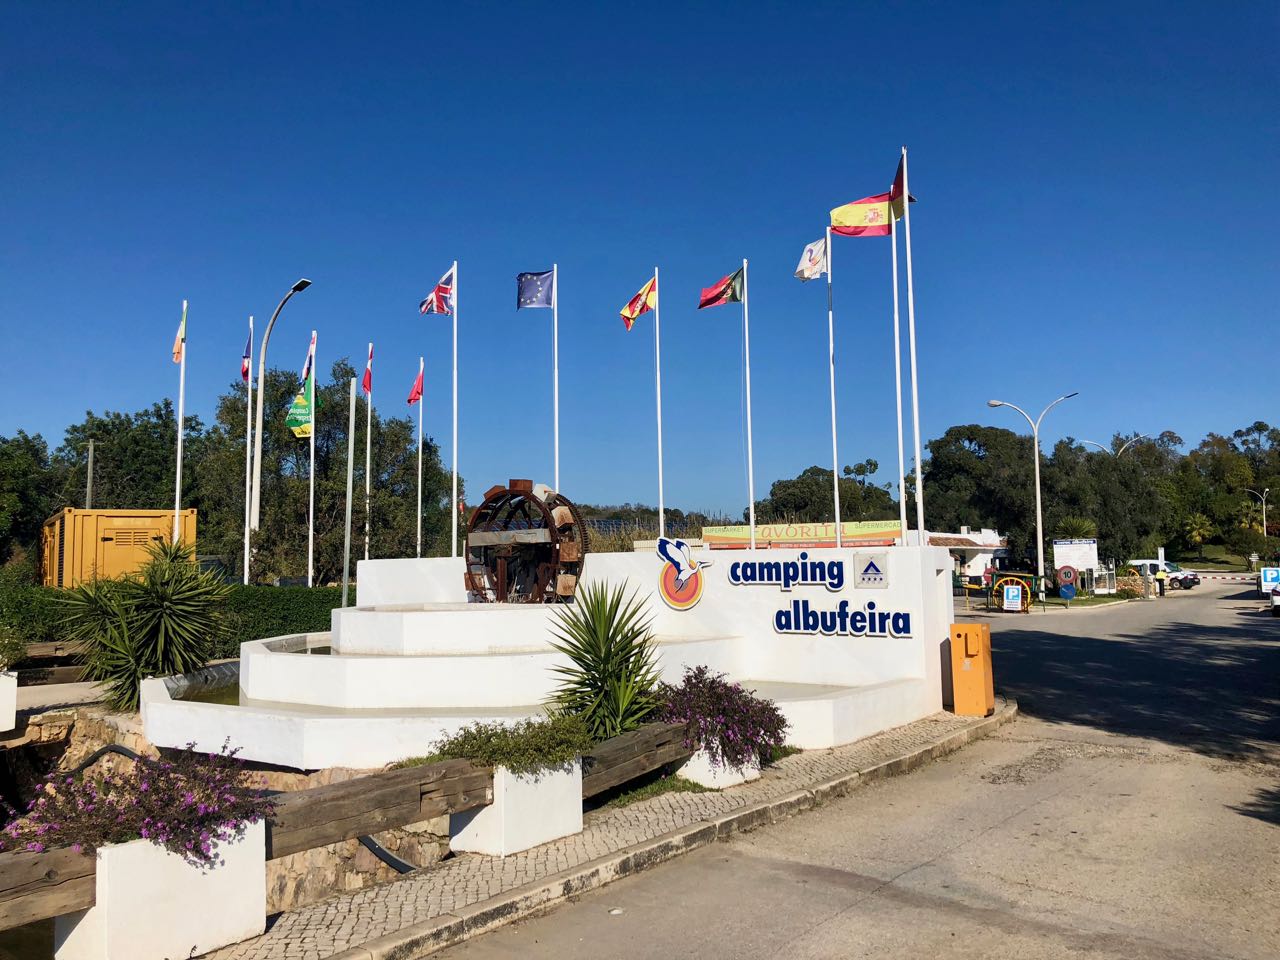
972	682
79	545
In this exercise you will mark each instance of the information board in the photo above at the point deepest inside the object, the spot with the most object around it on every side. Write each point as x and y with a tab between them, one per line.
1081	554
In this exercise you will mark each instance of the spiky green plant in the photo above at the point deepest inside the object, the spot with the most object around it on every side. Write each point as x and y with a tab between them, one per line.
612	678
163	620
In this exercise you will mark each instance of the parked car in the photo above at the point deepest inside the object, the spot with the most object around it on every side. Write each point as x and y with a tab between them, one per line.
1179	579
1275	601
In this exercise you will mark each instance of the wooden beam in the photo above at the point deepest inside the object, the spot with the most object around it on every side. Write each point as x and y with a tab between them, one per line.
37	886
498	538
631	755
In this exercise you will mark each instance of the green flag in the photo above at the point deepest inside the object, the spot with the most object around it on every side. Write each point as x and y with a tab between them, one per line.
299	419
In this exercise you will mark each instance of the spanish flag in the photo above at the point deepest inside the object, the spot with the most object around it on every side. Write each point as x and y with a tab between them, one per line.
642	302
868	217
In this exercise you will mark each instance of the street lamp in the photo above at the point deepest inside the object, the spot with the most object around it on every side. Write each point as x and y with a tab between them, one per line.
262	375
1035	443
1107	450
1263	497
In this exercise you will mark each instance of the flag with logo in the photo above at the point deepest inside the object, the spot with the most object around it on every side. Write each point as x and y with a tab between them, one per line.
813	262
725	290
301	416
642	302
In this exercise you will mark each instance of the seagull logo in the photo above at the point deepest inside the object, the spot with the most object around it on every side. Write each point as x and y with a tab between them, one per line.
680	581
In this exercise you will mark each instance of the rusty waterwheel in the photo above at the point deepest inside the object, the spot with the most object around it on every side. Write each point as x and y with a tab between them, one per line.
525	544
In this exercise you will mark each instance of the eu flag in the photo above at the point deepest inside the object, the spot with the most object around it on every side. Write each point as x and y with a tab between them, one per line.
534	289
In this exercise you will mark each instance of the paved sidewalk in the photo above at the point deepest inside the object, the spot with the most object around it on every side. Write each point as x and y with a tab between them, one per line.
461	897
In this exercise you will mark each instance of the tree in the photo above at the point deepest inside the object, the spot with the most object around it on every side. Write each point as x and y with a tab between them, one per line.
27	481
808	498
1198	529
1075	528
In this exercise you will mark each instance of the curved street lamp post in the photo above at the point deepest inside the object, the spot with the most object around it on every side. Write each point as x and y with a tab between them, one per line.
1035	444
1127	445
262	375
1263	497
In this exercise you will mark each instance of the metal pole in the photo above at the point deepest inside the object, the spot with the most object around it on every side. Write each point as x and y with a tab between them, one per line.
248	453
897	384
262	379
746	346
421	402
311	479
831	360
368	450
657	373
182	391
453	505
911	331
351	455
555	366
1035	449
88	483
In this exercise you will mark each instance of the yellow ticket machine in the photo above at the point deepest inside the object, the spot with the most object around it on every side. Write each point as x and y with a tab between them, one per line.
972	682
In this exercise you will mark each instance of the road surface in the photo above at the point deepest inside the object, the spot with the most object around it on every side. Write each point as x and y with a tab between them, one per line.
1133	812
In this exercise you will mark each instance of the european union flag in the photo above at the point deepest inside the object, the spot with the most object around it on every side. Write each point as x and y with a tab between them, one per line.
534	289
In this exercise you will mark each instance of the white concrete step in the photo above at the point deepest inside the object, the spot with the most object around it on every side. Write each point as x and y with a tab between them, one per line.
822	715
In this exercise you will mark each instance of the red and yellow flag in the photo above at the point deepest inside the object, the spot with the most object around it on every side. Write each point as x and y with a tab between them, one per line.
868	217
642	302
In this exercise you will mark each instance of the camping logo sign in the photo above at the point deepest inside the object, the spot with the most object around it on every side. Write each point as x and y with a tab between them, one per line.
872	570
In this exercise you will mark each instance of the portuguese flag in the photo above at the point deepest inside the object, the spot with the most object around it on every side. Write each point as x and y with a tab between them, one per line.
725	290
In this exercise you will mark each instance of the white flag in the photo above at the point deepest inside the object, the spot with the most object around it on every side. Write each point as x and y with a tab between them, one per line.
813	262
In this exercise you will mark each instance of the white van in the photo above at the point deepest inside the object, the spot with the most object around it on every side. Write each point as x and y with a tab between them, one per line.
1179	579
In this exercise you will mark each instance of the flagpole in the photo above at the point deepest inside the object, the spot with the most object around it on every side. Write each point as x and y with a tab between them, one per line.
555	366
454	503
311	495
911	328
746	345
831	358
421	365
657	374
351	455
182	392
248	450
897	381
368	450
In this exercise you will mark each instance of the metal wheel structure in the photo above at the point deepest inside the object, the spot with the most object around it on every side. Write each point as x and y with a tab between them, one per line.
525	544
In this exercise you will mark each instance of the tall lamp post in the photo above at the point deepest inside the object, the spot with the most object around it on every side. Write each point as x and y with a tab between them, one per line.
1263	497
1035	446
1107	450
257	433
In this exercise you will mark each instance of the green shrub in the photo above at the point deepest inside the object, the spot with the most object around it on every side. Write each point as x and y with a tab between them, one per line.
12	647
166	619
1127	593
254	613
523	747
612	679
32	612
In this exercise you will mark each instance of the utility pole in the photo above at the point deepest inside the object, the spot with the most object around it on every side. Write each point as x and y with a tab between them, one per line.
88	483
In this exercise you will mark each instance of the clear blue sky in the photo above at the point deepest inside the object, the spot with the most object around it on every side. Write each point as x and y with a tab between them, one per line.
1097	212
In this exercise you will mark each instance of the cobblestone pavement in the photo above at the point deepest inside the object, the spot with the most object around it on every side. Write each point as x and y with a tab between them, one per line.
348	920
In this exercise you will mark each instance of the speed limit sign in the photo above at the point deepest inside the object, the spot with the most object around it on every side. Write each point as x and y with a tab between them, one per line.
1067	575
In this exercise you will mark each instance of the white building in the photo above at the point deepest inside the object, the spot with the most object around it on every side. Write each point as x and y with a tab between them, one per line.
973	552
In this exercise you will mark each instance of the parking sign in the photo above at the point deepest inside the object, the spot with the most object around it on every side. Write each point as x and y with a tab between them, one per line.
1013	597
1270	577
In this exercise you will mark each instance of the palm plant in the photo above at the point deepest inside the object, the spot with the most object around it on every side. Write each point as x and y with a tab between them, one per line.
1075	528
1198	529
612	678
164	620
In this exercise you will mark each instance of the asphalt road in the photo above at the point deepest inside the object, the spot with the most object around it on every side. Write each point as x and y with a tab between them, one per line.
1133	812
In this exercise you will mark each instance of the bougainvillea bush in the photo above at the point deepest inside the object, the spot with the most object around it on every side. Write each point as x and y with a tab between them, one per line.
187	804
734	726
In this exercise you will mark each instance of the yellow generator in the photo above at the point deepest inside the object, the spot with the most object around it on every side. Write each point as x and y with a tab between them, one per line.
79	545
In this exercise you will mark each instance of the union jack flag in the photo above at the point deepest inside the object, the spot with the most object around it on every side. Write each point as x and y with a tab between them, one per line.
440	300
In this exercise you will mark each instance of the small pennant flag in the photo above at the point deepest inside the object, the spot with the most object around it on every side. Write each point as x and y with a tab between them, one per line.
440	299
180	338
813	262
415	392
244	359
366	382
725	290
642	302
534	289
895	192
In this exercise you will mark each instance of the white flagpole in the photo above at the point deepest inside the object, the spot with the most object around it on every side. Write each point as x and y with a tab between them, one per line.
657	376
351	456
555	365
311	496
831	357
182	393
248	451
897	382
421	367
454	502
911	328
746	346
368	450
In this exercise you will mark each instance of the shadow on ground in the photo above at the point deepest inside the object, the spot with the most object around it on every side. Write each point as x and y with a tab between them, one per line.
1214	689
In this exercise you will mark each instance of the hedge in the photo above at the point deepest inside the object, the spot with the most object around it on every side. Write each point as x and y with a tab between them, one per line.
35	613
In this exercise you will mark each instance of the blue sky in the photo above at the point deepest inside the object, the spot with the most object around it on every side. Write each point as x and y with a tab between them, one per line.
1097	213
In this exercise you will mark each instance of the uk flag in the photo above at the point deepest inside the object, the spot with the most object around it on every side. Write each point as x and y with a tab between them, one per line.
440	300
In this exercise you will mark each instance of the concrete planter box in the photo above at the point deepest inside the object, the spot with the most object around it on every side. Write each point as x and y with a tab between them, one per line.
528	809
700	770
153	905
8	701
